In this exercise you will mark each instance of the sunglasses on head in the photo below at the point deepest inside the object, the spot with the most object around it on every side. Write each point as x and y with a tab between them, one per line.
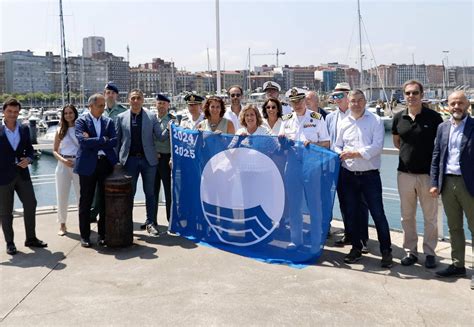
270	107
338	96
412	93
235	95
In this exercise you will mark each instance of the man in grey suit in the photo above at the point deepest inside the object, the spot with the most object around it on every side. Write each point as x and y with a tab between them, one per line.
136	129
452	176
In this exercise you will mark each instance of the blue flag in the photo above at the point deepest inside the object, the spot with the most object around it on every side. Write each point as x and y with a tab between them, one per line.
259	196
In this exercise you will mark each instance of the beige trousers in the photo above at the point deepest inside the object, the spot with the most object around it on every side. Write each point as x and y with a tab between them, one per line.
413	188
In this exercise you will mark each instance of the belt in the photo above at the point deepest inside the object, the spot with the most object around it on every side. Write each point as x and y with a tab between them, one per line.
360	173
452	175
65	156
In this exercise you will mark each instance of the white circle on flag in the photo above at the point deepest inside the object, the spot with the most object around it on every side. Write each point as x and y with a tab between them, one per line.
242	196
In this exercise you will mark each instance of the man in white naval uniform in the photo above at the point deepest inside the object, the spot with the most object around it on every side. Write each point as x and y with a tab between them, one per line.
305	126
195	115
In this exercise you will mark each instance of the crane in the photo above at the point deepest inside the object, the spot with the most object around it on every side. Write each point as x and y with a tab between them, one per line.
277	53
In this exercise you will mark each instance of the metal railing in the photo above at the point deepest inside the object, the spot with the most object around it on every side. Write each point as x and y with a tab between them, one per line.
387	192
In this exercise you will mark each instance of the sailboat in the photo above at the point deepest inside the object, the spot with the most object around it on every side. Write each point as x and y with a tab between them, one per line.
52	125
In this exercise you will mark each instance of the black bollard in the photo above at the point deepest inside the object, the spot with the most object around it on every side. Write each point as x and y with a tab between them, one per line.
118	209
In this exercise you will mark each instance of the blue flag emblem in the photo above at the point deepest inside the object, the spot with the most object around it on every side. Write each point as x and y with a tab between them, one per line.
258	196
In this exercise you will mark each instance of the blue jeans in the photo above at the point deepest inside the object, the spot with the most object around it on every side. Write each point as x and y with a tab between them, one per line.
370	185
364	210
139	166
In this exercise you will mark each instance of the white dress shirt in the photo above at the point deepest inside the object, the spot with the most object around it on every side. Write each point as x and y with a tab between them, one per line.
98	130
365	135
454	147
233	117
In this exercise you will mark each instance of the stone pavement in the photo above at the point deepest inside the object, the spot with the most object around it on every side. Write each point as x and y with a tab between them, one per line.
170	281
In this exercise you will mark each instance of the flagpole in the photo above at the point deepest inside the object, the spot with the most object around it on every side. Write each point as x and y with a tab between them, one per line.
218	50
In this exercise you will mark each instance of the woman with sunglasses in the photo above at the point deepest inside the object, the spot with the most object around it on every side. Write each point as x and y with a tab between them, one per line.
64	150
272	112
214	110
251	122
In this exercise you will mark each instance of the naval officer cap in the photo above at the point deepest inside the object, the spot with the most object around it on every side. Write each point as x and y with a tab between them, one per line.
295	94
112	87
193	98
270	85
162	97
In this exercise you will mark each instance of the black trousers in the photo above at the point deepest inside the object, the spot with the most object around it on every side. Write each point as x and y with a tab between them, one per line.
163	174
88	186
26	194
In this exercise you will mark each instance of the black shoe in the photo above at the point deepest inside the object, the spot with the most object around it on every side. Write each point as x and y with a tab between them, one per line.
85	243
353	256
387	259
35	243
452	271
430	261
409	260
151	229
101	242
11	248
345	240
143	226
365	248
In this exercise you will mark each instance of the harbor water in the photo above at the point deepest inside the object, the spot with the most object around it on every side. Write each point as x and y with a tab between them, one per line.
42	172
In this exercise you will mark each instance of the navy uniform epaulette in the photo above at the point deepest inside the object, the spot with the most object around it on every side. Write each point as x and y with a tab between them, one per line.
315	115
287	116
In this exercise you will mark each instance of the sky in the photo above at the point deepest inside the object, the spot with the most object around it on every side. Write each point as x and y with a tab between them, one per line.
309	32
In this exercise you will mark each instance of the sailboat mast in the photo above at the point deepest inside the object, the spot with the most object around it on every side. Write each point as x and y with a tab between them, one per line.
361	54
218	50
64	72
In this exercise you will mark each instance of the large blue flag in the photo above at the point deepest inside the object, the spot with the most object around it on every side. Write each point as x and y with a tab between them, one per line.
259	196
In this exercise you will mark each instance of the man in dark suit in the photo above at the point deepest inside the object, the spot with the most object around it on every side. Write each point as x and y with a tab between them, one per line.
94	162
16	154
136	129
452	176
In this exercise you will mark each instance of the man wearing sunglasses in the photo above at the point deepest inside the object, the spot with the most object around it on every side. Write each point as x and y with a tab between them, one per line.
333	121
272	90
414	132
232	113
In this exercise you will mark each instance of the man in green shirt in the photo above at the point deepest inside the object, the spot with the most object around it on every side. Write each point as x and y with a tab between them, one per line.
112	108
163	149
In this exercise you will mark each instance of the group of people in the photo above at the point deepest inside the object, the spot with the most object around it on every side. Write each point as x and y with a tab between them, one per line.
435	157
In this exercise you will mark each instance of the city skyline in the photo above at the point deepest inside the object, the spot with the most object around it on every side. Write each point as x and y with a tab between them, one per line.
182	31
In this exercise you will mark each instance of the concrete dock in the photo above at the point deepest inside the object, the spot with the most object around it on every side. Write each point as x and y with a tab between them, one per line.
171	281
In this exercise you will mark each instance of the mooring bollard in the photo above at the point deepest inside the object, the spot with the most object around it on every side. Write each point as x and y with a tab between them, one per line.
118	209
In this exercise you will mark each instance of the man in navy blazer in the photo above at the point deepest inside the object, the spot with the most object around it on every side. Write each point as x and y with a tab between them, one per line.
136	129
16	154
94	162
452	176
